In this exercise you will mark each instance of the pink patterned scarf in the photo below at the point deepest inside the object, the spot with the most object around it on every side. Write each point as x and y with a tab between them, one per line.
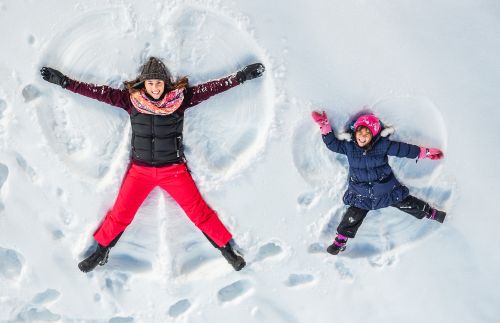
169	104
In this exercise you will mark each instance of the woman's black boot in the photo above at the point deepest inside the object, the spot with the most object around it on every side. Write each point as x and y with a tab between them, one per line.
227	251
232	258
99	257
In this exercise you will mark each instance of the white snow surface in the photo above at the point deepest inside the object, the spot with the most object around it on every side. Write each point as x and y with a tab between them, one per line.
430	69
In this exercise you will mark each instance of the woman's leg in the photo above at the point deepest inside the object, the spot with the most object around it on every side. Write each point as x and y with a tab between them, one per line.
136	186
177	181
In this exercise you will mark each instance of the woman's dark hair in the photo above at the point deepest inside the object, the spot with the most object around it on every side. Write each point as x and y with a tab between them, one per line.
137	85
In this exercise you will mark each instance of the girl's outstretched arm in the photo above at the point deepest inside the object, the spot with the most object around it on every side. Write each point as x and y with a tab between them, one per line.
334	144
201	92
401	149
103	93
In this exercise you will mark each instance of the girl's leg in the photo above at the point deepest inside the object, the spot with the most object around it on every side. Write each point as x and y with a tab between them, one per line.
351	221
414	207
177	181
136	186
419	209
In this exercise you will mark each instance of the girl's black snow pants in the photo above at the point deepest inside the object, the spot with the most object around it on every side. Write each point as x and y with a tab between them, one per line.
354	216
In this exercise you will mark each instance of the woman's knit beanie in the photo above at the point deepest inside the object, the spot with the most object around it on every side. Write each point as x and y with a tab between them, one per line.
153	69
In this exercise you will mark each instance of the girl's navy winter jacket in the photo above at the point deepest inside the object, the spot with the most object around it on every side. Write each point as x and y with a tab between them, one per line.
372	184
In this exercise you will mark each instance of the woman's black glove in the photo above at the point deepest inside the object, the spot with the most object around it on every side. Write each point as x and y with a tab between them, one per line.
54	76
250	72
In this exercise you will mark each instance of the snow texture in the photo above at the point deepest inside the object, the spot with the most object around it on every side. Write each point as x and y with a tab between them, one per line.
429	70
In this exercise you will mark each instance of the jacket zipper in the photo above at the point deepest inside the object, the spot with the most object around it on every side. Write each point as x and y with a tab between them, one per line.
178	145
152	139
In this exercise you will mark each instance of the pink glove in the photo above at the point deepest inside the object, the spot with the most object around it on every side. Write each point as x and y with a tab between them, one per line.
322	120
431	153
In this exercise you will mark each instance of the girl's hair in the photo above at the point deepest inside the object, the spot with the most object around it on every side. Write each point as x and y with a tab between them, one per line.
361	128
136	85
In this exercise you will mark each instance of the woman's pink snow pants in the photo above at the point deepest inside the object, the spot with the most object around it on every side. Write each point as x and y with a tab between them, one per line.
174	179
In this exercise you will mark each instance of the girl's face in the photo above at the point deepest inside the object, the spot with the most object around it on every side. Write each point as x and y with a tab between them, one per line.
363	136
154	88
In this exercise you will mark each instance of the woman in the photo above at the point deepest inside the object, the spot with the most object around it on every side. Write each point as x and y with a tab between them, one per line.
156	105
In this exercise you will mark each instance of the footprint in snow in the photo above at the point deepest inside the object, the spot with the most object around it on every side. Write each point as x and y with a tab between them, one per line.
316	248
26	168
344	272
179	308
295	280
234	291
31	39
129	263
11	264
115	282
193	263
268	250
30	92
57	234
47	296
306	200
356	249
36	314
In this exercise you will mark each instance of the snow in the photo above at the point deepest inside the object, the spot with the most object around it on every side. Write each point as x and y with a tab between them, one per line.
428	69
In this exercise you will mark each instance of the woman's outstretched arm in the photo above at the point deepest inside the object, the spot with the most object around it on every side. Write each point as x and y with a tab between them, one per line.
201	92
103	93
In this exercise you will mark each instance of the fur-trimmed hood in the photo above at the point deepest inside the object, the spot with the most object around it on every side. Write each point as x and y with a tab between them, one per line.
347	135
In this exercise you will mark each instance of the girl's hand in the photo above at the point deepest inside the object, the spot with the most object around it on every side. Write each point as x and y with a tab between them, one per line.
54	76
322	120
431	153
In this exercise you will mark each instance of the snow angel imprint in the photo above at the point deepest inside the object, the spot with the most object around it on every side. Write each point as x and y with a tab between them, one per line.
372	184
156	104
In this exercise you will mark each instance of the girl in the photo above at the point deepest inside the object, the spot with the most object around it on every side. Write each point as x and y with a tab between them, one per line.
372	184
156	105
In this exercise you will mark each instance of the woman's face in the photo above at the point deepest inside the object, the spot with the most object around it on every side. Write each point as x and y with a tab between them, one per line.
154	88
363	136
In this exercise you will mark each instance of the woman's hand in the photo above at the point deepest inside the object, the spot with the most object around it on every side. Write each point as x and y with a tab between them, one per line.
322	120
54	76
250	72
